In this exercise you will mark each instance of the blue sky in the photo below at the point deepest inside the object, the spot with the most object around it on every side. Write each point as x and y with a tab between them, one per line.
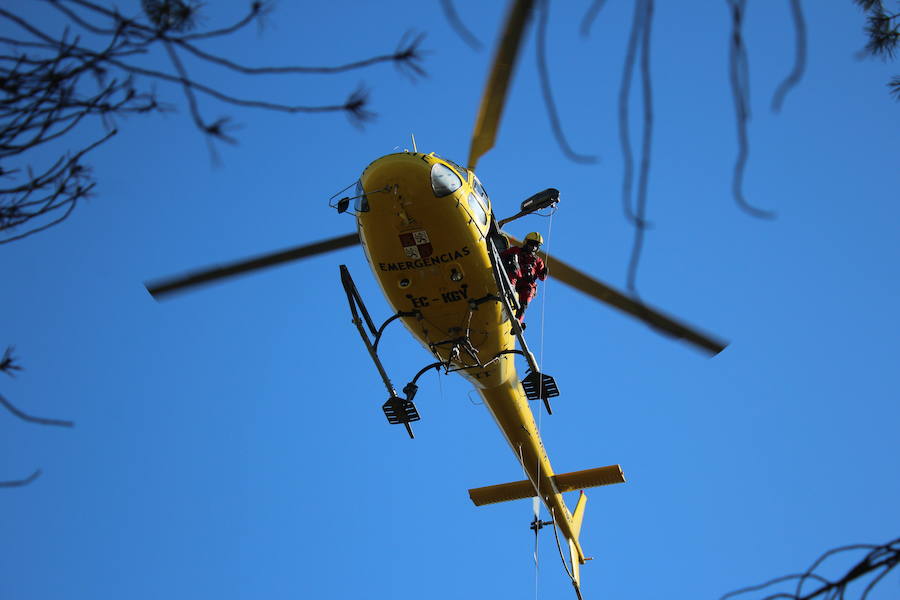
230	443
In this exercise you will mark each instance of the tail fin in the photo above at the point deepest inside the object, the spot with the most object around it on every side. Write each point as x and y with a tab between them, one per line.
578	515
574	555
564	482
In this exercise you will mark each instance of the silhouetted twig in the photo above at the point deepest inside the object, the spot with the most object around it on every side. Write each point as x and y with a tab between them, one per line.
878	561
624	123
8	365
590	16
543	7
56	192
739	73
799	57
22	482
38	420
884	39
459	26
8	362
638	41
51	84
408	55
883	30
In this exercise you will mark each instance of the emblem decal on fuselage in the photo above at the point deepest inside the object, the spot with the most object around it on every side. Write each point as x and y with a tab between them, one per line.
416	244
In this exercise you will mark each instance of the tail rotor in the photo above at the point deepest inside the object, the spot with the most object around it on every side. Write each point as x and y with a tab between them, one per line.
536	525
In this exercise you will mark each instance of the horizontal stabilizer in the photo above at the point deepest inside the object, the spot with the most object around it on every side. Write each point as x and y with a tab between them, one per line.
565	482
501	493
579	480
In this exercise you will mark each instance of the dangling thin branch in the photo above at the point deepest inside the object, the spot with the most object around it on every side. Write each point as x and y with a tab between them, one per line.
543	7
740	88
799	57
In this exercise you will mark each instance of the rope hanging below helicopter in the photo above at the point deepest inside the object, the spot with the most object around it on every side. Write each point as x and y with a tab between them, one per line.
537	523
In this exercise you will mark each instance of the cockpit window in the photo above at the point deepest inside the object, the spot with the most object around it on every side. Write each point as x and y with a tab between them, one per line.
461	170
444	180
479	189
361	202
477	211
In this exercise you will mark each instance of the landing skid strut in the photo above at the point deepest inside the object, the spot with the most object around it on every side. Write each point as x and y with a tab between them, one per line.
397	410
401	410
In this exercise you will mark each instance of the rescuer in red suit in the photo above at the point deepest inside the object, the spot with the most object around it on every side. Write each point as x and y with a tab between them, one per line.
524	268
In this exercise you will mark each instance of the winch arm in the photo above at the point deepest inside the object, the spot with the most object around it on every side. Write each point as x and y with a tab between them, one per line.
540	201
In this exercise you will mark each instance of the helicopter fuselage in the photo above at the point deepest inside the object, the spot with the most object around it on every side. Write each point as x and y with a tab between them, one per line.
423	222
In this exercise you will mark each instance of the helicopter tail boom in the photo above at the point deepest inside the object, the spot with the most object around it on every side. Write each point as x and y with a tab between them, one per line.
568	523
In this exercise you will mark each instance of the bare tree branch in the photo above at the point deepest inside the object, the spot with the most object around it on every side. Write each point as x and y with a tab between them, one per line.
590	16
739	74
49	85
646	143
257	11
459	26
59	190
22	482
799	57
8	365
638	41
8	362
624	103
878	561
543	7
408	54
38	420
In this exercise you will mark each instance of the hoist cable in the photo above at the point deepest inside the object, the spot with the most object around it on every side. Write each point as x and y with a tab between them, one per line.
537	514
559	547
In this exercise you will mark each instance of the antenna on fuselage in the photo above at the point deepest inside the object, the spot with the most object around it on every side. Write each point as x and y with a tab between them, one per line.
413	136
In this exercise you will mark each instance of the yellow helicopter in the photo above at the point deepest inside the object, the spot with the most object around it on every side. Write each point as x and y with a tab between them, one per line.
434	244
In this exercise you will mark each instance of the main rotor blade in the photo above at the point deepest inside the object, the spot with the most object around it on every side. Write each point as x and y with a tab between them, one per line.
604	293
163	287
494	97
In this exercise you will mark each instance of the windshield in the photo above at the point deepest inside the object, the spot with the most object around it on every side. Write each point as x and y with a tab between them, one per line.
360	202
462	171
482	195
